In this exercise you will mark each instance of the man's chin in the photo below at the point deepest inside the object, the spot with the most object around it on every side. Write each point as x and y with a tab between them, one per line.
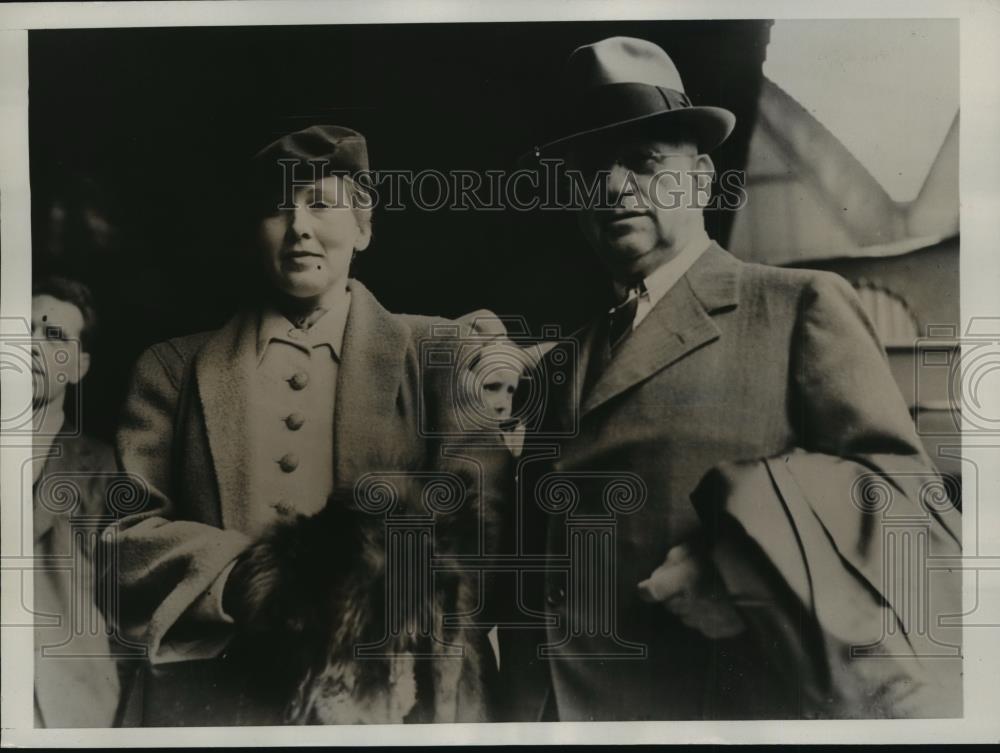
625	258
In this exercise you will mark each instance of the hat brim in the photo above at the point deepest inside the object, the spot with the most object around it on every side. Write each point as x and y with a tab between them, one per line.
711	126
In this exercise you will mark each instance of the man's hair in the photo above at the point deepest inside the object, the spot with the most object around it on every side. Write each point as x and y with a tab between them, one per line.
75	292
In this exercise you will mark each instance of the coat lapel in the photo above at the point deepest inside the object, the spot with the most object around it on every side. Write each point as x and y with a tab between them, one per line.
678	324
223	369
371	369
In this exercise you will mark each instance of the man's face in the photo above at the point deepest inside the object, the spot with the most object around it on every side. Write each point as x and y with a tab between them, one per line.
659	197
308	249
57	359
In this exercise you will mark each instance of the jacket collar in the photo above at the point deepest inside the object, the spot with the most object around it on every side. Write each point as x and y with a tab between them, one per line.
678	324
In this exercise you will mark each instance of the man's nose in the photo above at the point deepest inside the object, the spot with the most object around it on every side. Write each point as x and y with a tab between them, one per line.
616	181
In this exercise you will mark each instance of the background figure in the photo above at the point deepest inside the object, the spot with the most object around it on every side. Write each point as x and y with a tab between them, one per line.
76	677
82	230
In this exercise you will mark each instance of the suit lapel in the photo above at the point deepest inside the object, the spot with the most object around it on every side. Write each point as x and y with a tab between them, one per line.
223	371
371	368
678	324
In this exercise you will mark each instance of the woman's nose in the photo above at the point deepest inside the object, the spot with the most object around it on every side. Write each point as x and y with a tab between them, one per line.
300	225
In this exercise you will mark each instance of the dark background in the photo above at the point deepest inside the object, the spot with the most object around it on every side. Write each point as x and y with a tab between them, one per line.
151	129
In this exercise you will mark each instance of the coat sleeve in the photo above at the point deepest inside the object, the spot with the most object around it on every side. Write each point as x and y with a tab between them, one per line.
849	410
809	542
166	562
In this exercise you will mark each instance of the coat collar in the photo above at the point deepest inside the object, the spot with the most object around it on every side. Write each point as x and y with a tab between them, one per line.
223	369
678	324
373	352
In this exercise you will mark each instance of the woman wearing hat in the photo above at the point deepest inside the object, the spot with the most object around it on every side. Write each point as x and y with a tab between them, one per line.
281	451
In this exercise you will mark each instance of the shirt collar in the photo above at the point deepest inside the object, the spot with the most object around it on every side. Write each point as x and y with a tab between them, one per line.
327	330
664	277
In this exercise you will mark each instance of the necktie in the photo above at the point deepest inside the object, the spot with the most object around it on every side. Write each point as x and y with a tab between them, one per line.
622	316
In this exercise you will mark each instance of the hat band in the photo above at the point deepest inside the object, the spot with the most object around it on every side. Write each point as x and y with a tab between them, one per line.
616	103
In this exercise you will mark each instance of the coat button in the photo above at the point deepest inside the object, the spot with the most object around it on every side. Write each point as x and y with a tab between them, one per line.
299	380
294	421
289	462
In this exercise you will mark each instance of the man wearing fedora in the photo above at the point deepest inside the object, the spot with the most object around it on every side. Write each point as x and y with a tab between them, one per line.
253	575
756	409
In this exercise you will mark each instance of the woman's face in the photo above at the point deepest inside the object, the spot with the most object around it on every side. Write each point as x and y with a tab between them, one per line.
308	248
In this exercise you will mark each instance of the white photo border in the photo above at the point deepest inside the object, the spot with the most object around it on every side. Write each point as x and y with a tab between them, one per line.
980	281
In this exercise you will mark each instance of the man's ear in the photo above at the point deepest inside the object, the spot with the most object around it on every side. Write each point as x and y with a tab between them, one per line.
704	174
703	164
82	368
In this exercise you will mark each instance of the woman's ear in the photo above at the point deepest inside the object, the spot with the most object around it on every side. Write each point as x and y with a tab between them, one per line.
364	235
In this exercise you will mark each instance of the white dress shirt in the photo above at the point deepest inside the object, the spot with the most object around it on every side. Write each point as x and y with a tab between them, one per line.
663	278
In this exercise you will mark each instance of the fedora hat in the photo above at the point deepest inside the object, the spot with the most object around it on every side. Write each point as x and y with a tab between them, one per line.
623	81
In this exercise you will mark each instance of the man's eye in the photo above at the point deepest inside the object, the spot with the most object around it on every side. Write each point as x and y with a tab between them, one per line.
320	205
643	160
493	386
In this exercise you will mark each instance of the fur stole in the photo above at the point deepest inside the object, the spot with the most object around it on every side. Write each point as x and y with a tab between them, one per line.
344	620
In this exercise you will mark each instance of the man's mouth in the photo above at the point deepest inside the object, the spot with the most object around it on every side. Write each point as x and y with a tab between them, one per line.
620	222
621	216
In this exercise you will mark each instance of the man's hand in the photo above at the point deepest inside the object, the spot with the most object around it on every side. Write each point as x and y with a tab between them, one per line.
689	587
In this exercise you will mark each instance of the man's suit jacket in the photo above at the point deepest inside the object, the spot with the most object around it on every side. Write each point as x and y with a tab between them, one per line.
76	677
738	362
184	430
